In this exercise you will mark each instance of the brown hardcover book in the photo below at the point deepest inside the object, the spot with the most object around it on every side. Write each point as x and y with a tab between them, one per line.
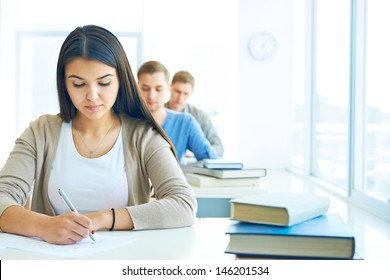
199	180
283	209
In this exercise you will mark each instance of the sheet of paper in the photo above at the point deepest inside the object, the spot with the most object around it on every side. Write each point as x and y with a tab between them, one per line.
79	250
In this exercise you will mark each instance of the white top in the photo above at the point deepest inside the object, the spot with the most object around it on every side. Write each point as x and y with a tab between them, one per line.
101	185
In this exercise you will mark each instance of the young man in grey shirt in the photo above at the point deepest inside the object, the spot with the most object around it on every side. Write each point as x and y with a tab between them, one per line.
182	87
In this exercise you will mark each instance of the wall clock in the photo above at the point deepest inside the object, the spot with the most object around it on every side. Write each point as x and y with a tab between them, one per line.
262	46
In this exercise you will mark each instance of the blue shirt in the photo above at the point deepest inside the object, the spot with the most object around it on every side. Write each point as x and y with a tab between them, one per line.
186	134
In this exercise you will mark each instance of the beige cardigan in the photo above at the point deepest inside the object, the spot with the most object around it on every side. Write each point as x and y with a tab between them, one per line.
147	156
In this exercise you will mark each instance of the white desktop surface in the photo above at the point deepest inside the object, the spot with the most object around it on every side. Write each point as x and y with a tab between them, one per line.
206	239
227	192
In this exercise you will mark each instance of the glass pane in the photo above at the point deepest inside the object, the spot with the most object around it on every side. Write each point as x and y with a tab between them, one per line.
377	110
298	99
130	45
331	97
37	94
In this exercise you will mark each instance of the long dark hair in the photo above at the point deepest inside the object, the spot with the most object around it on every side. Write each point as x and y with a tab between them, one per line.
96	43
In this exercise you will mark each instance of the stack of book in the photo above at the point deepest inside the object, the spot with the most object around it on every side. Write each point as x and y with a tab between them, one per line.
223	173
285	225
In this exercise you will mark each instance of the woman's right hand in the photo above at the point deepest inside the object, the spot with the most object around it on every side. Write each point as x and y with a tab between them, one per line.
67	228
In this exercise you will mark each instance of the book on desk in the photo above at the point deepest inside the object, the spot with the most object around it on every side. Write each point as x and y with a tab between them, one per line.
283	209
323	237
222	164
224	173
199	180
245	172
214	191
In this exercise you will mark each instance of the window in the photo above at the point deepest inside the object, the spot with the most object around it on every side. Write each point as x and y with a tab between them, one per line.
346	85
330	111
299	124
377	106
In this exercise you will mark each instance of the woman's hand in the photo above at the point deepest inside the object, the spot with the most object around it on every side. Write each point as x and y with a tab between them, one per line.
67	228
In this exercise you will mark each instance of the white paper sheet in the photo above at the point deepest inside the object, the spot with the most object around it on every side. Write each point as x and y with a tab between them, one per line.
75	251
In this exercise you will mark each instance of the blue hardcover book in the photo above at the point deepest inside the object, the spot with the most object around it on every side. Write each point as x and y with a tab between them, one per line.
323	237
224	173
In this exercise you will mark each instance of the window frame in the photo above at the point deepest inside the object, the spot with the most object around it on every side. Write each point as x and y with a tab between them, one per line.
356	169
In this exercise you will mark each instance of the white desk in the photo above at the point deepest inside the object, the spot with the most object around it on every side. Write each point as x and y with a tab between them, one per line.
206	239
215	202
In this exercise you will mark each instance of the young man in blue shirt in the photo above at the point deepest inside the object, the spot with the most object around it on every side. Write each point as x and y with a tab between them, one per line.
182	128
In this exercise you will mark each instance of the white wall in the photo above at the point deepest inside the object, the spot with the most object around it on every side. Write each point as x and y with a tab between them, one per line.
252	98
264	87
198	36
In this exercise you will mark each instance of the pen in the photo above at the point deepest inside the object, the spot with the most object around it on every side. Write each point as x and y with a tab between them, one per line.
70	205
